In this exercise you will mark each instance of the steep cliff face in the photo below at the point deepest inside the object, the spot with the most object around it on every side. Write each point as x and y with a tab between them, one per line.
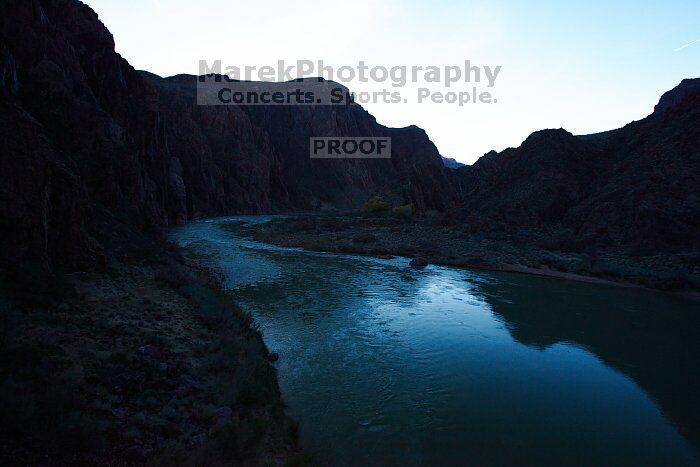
255	141
637	187
218	161
413	174
83	132
42	204
677	95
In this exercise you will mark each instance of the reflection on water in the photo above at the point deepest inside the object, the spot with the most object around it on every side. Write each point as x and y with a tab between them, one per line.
385	364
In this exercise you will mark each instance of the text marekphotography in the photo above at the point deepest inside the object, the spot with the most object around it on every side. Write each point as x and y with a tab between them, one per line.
313	83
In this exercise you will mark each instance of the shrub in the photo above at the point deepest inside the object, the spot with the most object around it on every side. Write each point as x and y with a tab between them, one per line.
377	204
405	211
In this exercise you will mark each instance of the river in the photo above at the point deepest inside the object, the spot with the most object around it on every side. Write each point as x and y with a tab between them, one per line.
384	364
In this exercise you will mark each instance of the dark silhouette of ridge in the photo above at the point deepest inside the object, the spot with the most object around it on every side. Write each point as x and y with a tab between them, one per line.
636	188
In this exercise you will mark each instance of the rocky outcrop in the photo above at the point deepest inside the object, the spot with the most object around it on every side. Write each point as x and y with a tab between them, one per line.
534	184
677	95
70	108
266	151
637	187
451	163
84	132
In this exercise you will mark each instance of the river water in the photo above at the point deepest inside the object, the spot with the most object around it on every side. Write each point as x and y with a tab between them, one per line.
384	364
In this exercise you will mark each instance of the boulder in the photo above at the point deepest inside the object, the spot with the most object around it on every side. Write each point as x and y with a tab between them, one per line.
273	357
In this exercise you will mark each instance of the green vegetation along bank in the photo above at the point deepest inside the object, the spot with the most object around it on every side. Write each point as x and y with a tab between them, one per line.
550	252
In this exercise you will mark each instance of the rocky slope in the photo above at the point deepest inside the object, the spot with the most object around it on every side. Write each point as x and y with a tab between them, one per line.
451	163
87	140
151	363
636	188
677	95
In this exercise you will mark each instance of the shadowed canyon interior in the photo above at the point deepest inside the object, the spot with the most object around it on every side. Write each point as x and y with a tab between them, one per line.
163	265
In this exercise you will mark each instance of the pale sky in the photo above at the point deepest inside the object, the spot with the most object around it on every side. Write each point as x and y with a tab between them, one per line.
586	66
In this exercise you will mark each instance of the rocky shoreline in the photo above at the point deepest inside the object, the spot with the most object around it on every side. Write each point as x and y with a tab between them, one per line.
148	362
540	252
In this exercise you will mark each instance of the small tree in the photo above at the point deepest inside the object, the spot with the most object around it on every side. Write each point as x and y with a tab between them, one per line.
377	204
